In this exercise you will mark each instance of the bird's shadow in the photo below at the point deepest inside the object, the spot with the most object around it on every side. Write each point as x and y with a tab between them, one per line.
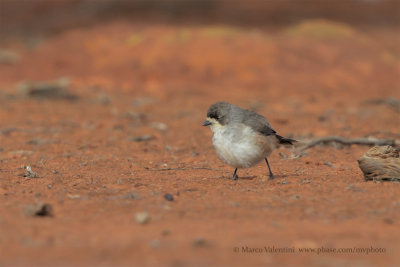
276	177
239	178
247	177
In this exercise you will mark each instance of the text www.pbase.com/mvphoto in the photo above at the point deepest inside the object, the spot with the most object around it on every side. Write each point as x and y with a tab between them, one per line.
318	250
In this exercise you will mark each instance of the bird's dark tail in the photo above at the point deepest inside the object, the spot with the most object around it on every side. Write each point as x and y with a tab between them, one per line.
285	141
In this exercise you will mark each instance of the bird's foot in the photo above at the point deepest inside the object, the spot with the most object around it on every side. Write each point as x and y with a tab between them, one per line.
235	177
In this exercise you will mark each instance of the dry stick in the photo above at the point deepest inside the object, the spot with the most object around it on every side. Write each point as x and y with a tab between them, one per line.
383	133
167	169
354	141
323	140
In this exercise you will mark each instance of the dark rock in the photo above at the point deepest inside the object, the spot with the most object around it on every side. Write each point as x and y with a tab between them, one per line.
168	197
39	209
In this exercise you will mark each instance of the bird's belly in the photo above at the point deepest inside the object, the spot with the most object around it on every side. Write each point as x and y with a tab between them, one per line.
242	150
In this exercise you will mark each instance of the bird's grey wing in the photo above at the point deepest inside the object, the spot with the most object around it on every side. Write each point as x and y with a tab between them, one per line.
258	123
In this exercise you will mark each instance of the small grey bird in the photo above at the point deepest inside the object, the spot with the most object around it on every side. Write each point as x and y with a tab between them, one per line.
242	138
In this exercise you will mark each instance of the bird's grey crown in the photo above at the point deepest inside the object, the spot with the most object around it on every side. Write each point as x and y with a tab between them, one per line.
226	113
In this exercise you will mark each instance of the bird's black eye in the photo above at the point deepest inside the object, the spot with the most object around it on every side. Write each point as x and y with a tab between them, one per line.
214	116
220	118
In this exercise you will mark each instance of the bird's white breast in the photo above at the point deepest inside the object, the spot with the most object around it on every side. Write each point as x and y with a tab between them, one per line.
241	147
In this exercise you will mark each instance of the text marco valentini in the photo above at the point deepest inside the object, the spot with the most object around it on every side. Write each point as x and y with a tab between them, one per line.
268	249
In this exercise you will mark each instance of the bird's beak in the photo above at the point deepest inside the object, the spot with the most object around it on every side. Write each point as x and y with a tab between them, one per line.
206	123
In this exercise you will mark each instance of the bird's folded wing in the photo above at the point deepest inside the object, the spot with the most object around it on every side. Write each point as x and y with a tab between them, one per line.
258	123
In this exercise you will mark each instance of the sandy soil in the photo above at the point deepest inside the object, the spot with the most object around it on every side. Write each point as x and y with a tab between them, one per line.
155	82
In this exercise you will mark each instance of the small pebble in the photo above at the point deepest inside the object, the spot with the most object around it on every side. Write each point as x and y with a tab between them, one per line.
155	243
39	209
234	204
33	142
168	197
283	155
165	232
275	224
354	188
284	181
191	190
200	242
29	173
154	193
142	101
132	195
159	126
309	211
103	99
47	90
142	217
72	196
327	163
9	57
388	221
141	138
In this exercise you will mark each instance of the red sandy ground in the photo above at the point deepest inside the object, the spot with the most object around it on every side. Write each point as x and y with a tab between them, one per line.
127	77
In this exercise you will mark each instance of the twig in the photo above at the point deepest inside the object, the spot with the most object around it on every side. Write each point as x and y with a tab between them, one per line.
205	168
391	102
352	141
167	169
386	133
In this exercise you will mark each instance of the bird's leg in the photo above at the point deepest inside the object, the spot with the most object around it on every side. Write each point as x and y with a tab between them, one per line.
235	177
271	175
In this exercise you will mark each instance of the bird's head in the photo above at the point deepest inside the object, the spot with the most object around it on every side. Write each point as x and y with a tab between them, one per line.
217	115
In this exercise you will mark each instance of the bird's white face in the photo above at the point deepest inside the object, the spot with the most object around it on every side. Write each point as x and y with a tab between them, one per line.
213	123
